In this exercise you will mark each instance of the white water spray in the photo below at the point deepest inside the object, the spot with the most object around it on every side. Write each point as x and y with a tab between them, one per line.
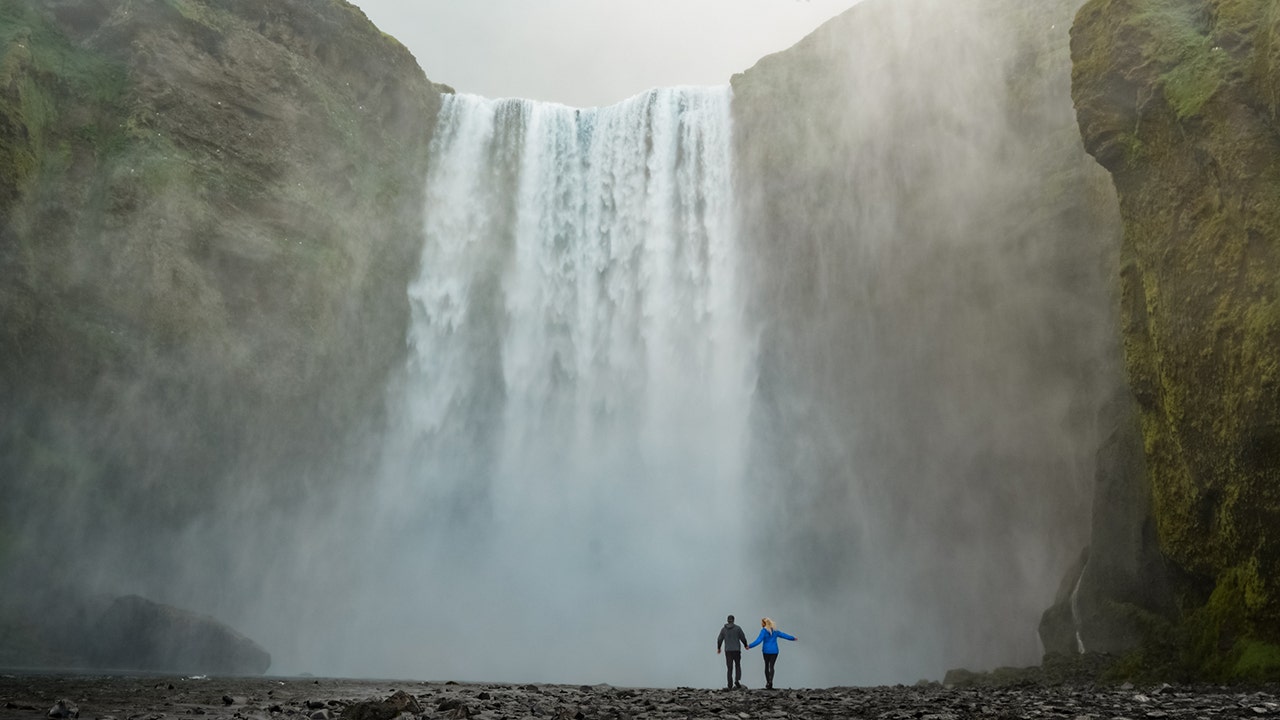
564	475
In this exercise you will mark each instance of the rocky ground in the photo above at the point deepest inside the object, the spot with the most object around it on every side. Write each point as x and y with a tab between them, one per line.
101	697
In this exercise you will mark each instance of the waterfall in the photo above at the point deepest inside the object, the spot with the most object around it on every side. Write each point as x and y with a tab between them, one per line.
565	466
1075	609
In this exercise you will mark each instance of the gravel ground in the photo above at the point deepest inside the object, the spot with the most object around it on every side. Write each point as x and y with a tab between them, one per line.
136	697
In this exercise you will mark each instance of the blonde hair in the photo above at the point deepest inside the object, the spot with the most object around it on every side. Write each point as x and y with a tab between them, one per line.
768	624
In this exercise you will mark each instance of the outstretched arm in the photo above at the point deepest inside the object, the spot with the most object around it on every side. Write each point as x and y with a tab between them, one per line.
785	636
759	638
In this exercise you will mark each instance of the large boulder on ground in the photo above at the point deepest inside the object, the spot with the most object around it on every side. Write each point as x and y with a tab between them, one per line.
398	703
137	634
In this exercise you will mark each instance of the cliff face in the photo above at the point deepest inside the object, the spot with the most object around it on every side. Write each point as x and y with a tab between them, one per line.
1179	101
209	211
933	260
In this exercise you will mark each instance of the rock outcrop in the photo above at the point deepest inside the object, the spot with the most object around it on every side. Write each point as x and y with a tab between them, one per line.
1178	99
63	628
134	633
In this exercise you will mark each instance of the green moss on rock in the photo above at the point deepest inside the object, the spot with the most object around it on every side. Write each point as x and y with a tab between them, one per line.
39	69
1179	41
1178	100
1257	662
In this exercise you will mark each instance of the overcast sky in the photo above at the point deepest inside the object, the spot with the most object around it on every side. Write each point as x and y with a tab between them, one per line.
592	52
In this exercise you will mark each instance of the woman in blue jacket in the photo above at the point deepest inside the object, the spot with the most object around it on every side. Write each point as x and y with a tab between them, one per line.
769	634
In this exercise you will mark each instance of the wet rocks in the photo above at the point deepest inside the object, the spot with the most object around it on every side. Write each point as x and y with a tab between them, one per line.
388	709
66	627
1055	670
63	709
277	699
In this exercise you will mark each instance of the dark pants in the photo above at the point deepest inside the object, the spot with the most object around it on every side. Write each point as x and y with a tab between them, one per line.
732	664
769	660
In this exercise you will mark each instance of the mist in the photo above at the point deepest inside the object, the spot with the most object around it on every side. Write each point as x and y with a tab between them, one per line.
938	331
825	343
897	466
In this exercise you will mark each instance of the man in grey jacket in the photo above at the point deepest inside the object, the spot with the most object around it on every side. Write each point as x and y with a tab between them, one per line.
732	638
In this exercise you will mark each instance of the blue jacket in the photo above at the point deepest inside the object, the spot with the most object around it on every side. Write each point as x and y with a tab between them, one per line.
770	640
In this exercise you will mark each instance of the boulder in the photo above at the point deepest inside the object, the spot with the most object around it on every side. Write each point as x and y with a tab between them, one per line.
137	634
388	709
64	709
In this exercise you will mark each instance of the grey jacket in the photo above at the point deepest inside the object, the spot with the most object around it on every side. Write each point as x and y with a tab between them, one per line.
731	637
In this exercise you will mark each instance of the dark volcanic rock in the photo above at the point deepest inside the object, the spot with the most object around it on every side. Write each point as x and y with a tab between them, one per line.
64	709
134	697
137	634
388	709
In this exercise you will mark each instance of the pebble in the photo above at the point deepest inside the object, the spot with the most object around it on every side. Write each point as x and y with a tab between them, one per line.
101	698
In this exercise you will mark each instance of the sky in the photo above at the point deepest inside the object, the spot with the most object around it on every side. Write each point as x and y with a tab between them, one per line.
587	53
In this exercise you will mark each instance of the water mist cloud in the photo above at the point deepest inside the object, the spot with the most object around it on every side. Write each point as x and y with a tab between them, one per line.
865	411
938	336
899	472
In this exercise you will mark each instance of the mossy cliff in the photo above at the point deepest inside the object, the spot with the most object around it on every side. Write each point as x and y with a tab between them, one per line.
209	211
1179	100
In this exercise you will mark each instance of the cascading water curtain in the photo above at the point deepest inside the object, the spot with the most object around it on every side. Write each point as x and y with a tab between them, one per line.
564	477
